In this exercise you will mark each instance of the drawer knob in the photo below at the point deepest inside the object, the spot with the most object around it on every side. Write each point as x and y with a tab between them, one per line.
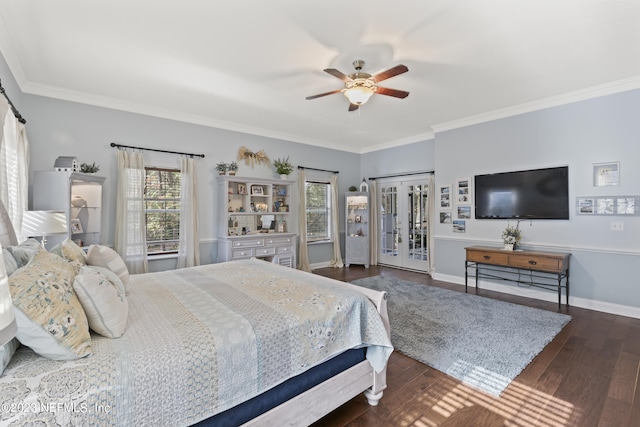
285	249
243	253
532	262
487	257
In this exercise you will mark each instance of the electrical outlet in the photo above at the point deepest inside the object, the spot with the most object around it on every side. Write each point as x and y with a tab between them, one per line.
617	226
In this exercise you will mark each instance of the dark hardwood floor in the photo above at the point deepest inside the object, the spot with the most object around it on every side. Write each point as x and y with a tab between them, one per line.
587	376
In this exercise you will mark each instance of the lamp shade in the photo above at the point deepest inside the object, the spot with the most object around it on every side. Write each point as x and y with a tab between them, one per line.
8	326
44	223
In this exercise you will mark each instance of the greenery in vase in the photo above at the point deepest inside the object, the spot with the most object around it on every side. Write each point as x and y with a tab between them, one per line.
283	166
233	166
89	168
511	235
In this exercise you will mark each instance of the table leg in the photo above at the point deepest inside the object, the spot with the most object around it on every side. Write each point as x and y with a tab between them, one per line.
559	292
466	275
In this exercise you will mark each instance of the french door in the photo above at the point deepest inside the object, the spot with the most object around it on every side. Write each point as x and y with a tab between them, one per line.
404	223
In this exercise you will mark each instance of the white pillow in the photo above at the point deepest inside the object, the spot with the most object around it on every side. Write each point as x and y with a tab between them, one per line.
23	252
10	263
102	296
69	250
103	256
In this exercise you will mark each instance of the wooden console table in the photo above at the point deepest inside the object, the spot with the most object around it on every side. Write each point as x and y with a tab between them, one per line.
540	265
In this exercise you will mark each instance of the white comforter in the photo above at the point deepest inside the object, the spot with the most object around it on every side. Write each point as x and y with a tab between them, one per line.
198	341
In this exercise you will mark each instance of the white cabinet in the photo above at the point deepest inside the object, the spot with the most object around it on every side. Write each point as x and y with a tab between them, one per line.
79	195
357	233
255	220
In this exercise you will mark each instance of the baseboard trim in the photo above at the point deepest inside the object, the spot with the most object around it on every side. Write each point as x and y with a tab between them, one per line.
319	265
551	296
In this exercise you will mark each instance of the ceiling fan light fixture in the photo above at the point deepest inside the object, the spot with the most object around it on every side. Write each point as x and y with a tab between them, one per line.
359	94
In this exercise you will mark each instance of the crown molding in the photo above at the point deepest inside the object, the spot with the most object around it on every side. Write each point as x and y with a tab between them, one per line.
554	101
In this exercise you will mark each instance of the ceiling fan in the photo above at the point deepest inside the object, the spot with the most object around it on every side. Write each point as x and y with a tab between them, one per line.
359	86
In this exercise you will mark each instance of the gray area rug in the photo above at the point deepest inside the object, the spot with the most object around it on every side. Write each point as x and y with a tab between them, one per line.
483	342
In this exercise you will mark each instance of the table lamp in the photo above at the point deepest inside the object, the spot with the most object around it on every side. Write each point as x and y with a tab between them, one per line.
44	223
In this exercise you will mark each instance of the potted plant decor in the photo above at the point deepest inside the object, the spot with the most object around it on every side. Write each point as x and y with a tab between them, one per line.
222	168
89	168
511	236
283	167
232	168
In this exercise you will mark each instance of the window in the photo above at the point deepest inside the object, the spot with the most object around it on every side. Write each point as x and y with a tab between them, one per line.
162	210
318	198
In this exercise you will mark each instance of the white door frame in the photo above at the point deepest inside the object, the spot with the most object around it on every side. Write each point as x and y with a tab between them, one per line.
397	252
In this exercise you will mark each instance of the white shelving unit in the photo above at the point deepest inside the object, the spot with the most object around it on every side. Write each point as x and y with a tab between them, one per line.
79	195
255	220
357	233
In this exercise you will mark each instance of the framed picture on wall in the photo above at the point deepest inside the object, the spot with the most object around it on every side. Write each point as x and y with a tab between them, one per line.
605	206
464	212
445	197
626	205
606	174
586	206
463	191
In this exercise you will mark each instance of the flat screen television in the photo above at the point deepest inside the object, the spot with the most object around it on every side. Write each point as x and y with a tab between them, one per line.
528	194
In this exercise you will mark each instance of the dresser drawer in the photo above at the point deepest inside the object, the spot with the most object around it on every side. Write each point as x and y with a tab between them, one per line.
535	262
242	253
284	250
270	250
249	243
279	240
488	257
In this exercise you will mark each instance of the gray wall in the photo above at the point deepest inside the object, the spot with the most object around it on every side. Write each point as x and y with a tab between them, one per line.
600	130
65	128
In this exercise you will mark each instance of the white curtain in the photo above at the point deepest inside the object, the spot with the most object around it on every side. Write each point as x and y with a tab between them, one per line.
336	261
431	215
130	238
14	166
374	211
189	245
303	256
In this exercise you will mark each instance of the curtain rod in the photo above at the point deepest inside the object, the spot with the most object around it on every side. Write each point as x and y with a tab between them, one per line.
13	107
314	169
113	144
373	178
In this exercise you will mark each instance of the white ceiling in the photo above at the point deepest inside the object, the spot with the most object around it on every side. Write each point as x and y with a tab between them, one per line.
248	65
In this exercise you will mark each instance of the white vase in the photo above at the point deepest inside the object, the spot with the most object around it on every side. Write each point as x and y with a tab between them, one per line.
508	246
284	176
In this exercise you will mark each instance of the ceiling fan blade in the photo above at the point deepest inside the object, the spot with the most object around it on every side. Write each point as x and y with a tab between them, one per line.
324	94
392	92
338	74
353	107
391	72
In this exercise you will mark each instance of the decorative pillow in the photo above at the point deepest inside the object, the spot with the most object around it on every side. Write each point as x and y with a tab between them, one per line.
23	252
10	263
49	315
104	256
69	250
103	298
6	352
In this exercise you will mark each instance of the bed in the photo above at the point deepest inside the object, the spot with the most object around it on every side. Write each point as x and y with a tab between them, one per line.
236	343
